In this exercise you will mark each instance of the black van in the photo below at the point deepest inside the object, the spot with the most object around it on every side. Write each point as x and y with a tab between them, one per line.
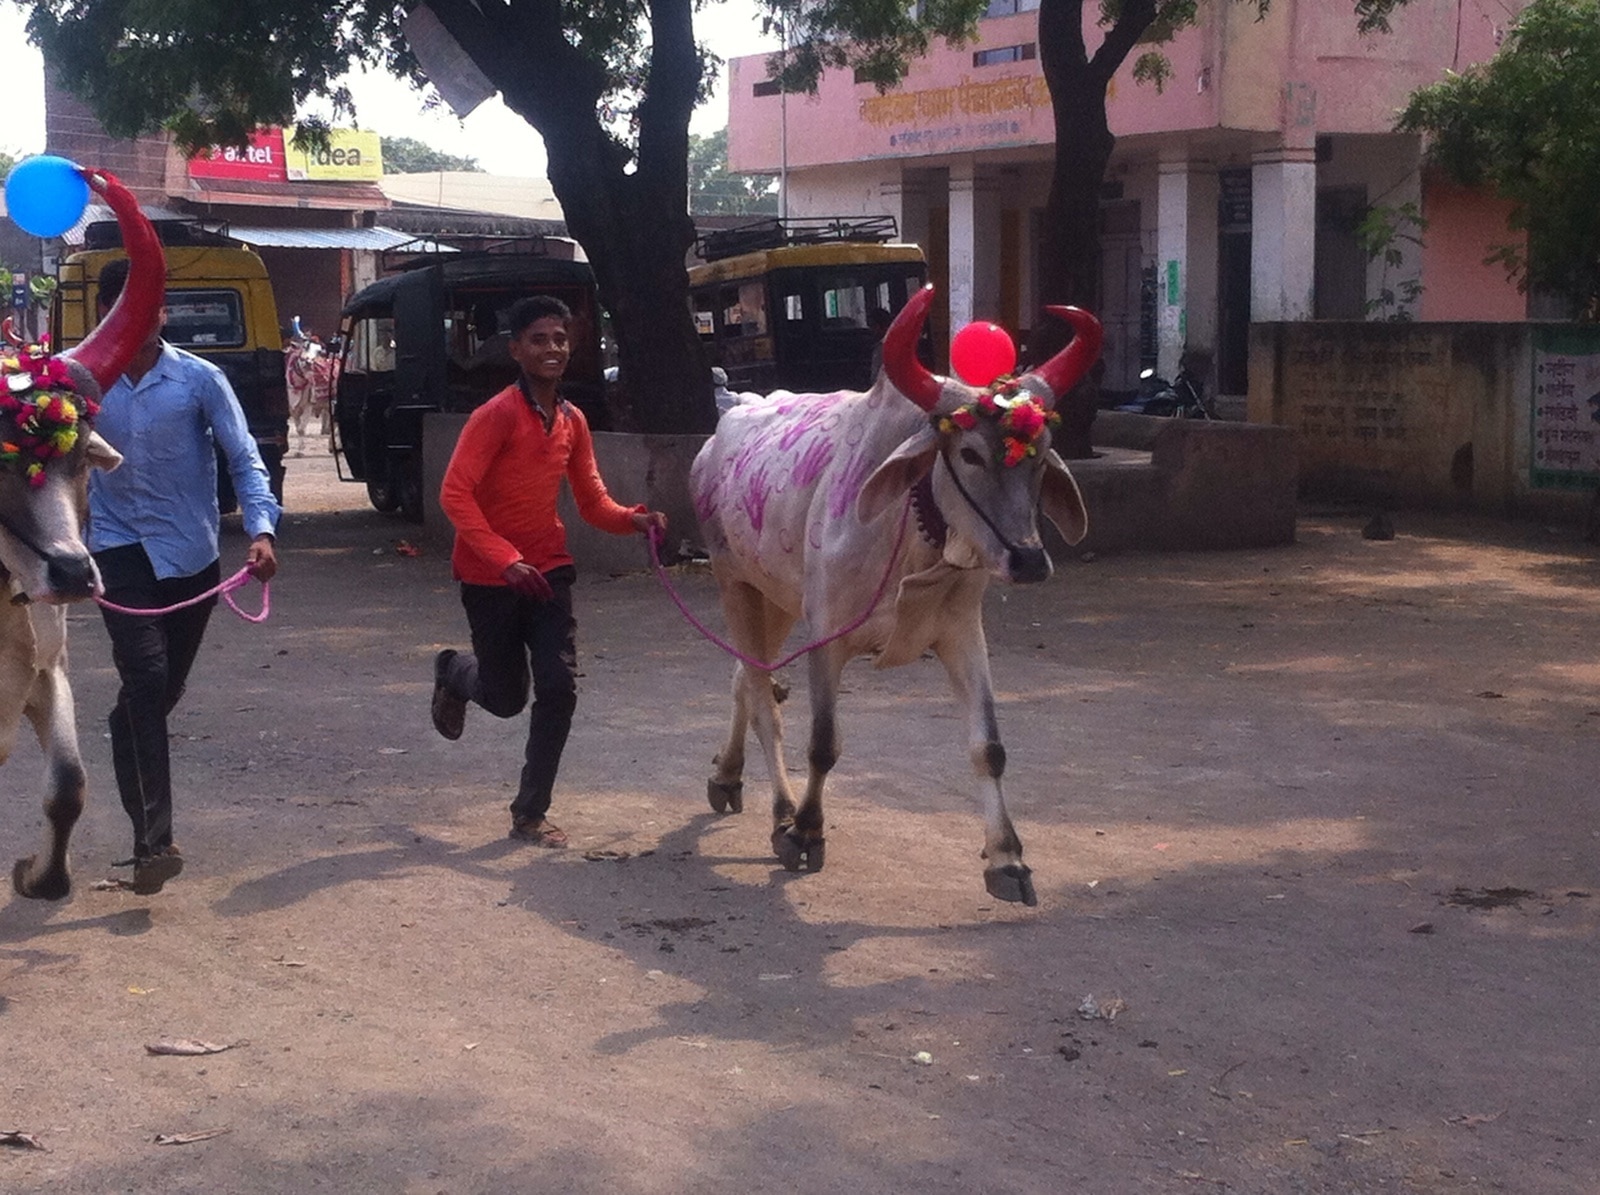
432	338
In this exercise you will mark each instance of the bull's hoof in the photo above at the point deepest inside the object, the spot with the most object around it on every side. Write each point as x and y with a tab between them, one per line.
1013	882
816	855
725	797
795	852
50	886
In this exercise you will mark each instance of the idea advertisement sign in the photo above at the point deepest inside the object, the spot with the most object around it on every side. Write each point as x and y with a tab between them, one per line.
260	161
352	155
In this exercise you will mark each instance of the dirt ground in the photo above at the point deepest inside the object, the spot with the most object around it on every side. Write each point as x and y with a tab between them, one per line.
1317	825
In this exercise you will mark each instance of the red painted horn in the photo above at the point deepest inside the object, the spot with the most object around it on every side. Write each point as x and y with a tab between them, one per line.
909	375
8	329
107	350
1066	369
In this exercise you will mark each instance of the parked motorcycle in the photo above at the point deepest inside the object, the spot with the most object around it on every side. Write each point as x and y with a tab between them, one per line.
1182	398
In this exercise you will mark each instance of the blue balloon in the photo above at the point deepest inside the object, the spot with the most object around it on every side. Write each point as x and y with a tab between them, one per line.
46	195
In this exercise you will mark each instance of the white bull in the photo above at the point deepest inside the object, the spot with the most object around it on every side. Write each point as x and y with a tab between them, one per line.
922	486
44	564
46	451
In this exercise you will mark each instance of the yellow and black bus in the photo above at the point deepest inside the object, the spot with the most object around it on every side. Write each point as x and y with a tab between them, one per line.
800	304
219	306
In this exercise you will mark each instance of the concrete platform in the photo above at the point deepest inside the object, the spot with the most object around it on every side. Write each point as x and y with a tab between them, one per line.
1157	484
1186	484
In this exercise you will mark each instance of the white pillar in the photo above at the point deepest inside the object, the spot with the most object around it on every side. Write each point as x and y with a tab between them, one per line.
1186	261
1283	226
1202	275
905	197
974	246
1172	265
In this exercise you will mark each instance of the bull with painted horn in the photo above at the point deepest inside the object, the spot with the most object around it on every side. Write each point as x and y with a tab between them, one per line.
47	447
918	491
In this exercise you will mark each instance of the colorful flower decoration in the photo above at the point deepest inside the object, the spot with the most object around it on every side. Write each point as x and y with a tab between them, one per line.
41	411
1022	418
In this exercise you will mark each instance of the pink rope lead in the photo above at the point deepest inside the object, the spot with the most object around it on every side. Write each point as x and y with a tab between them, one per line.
661	572
225	590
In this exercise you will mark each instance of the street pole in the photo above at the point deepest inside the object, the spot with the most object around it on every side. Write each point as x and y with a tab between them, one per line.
783	124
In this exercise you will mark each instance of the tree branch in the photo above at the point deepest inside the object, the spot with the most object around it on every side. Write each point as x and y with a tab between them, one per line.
1130	26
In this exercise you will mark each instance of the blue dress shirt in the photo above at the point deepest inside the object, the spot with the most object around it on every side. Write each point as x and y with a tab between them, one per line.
168	426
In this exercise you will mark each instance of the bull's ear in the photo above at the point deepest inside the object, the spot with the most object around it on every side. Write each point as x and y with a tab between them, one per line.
1061	502
907	465
100	453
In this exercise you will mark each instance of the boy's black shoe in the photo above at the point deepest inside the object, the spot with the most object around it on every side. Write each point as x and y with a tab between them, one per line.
449	711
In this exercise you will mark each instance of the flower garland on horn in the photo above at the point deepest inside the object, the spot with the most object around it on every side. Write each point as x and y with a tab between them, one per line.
42	411
1021	417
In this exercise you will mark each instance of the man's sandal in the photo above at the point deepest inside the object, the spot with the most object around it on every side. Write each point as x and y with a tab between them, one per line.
539	832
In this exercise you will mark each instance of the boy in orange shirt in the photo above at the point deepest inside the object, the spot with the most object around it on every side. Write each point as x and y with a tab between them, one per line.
511	557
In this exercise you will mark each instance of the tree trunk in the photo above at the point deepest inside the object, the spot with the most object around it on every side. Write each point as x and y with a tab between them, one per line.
637	232
634	225
1069	265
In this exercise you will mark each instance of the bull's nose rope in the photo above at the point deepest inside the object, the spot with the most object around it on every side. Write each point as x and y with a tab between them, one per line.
225	590
883	585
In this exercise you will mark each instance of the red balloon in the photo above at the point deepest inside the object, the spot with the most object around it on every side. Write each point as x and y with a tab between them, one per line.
981	352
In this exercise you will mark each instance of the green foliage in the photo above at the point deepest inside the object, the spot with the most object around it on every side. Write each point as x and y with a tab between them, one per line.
714	190
407	155
42	289
1524	125
1383	234
1372	16
7	161
212	73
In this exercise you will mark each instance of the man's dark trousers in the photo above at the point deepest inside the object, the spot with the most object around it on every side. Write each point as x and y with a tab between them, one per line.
517	640
153	656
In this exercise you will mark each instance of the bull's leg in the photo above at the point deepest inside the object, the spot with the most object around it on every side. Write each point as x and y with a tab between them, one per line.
50	711
800	839
758	629
725	789
966	659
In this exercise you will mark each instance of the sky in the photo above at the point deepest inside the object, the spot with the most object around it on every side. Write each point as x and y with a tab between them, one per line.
502	142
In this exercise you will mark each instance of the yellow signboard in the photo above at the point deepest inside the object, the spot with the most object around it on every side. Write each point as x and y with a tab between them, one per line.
353	155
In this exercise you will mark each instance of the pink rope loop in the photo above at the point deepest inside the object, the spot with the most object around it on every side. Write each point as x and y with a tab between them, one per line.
225	590
888	571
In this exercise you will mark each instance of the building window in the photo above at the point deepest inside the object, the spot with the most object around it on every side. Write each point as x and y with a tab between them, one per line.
1009	8
1001	54
767	87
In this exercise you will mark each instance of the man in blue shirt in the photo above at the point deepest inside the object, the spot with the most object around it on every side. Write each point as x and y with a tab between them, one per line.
153	530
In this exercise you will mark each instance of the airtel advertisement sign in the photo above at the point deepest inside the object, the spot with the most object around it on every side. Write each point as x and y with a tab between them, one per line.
261	161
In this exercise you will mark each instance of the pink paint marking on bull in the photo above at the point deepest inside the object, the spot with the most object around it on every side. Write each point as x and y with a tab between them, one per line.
808	539
847	483
756	494
813	460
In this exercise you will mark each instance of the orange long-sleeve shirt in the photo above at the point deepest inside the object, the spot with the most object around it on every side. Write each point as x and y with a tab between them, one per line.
500	488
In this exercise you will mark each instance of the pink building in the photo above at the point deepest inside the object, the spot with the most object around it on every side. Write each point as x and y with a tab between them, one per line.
1232	196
